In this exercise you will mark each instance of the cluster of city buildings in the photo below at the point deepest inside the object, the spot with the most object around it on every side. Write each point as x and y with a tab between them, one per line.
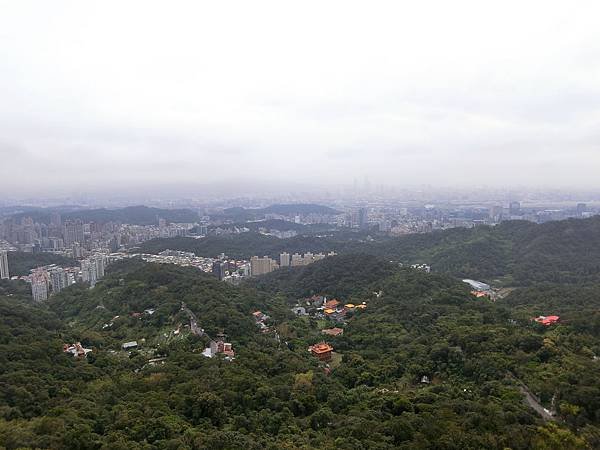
179	258
398	220
319	307
261	266
77	239
51	279
234	271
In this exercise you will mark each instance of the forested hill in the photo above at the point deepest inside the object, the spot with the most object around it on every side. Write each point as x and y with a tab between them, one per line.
133	286
564	251
21	263
243	214
343	276
165	394
246	245
278	224
519	253
135	215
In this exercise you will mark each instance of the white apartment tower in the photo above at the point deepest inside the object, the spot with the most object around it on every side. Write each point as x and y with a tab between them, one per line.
284	259
4	273
39	286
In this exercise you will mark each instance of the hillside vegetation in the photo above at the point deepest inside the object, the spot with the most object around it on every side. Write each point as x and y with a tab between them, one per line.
515	253
246	245
341	276
274	394
21	263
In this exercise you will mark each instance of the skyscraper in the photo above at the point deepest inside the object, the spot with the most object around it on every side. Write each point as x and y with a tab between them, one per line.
363	218
218	269
100	263
4	273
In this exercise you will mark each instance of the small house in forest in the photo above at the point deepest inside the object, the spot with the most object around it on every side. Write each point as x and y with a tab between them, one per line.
333	331
547	320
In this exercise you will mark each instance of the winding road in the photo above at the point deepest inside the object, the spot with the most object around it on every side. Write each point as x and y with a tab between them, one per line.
532	400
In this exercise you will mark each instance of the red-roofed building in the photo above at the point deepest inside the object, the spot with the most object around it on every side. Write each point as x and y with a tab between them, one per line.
322	351
547	320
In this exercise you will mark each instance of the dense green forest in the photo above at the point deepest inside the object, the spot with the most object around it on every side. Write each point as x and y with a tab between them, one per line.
476	356
21	263
338	276
246	245
512	253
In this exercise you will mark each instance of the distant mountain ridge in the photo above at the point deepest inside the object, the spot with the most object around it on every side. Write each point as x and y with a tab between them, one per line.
134	215
278	224
240	213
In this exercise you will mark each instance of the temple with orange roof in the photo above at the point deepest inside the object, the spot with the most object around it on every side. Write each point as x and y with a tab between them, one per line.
321	350
332	304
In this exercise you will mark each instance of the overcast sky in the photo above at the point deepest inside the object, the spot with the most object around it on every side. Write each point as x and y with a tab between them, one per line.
139	93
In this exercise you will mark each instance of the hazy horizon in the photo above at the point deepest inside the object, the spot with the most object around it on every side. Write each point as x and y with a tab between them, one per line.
148	96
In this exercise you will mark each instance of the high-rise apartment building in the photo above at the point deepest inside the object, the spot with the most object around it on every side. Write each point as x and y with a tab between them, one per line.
363	219
297	260
93	268
73	232
218	269
284	259
88	272
100	262
77	250
58	279
260	266
39	285
4	272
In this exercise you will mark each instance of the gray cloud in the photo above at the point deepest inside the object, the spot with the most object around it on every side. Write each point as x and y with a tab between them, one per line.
143	93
